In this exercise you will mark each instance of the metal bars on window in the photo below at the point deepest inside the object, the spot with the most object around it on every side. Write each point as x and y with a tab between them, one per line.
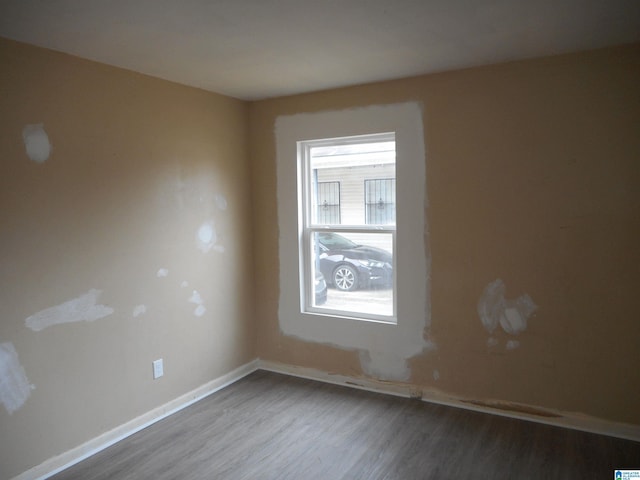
380	200
328	203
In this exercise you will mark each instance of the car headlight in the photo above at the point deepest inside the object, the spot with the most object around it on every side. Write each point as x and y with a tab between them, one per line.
371	263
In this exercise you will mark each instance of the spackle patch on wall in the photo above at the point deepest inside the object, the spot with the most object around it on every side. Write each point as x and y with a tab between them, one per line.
512	315
83	308
163	272
14	385
139	310
221	202
197	299
36	142
206	237
512	344
384	365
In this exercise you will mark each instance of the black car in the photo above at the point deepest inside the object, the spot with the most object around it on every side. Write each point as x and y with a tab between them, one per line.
348	266
320	289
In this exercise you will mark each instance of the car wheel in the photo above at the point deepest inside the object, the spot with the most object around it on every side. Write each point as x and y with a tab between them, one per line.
345	278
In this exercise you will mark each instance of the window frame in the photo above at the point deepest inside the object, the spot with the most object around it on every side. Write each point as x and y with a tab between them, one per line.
309	226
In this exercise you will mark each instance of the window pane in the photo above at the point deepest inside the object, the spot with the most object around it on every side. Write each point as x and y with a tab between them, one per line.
339	176
357	269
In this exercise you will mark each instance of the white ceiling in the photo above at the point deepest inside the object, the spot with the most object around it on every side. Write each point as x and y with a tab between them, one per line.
254	49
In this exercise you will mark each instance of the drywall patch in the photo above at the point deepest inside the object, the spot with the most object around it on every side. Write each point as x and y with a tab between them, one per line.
139	310
14	385
512	344
221	202
490	305
511	315
514	319
206	237
184	284
384	365
197	299
36	142
163	272
436	375
83	308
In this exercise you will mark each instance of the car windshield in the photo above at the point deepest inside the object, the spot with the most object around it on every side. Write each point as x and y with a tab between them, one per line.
333	241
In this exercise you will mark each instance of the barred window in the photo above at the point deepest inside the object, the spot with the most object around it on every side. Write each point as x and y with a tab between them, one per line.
380	198
328	202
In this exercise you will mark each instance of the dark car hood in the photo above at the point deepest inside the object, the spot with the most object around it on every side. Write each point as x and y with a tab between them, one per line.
366	252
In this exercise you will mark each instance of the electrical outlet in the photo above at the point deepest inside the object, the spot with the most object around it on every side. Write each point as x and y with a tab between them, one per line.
158	368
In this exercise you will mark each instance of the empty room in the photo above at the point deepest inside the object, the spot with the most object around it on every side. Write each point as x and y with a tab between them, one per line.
319	240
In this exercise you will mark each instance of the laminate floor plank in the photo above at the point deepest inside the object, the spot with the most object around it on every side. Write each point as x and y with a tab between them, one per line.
269	426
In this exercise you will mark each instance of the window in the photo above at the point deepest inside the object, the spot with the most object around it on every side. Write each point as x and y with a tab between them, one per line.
353	252
383	347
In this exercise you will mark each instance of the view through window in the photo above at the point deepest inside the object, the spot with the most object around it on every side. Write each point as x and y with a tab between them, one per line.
348	232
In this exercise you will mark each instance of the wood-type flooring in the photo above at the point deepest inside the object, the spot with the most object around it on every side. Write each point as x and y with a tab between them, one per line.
269	426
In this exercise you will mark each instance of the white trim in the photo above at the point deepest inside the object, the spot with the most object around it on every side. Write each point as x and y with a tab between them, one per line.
75	455
384	348
570	420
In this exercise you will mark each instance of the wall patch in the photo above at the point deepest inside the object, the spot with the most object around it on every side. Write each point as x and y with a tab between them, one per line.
163	272
511	315
83	308
14	386
221	202
384	365
206	236
197	299
36	142
512	344
139	310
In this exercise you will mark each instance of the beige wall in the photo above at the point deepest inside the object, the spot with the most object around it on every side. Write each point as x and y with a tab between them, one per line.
136	167
532	177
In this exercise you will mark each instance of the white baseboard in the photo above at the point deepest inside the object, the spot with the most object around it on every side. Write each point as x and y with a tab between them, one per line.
574	421
65	460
